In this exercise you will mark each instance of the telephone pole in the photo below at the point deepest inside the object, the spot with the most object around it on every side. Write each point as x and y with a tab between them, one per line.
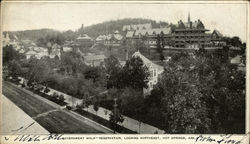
115	113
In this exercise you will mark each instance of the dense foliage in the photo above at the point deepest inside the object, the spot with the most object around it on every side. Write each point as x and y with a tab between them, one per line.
200	92
134	74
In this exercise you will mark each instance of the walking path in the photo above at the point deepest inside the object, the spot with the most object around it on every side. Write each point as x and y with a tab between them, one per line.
44	114
128	122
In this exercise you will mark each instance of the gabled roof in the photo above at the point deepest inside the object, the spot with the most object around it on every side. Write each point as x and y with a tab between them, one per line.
137	27
130	34
101	37
118	36
148	62
84	37
109	37
155	31
218	33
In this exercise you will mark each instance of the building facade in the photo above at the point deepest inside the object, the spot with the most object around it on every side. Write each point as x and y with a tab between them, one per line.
84	41
154	70
190	34
137	27
114	39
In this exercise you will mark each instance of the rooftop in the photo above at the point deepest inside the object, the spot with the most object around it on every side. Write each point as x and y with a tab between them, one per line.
137	27
84	37
154	31
148	62
94	57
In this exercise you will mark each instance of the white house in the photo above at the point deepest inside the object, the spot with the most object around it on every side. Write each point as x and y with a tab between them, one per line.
31	53
154	69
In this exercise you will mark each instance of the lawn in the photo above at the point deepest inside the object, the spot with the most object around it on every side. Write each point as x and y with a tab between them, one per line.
28	103
61	122
58	121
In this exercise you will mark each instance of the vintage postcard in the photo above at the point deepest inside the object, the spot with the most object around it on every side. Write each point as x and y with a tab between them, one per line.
125	72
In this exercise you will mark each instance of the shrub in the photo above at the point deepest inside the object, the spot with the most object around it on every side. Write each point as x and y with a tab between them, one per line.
69	107
46	90
61	99
23	85
78	107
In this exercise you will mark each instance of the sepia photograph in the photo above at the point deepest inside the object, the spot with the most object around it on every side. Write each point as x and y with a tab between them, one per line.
124	68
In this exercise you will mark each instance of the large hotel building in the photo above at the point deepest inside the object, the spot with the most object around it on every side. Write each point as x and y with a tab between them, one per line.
183	35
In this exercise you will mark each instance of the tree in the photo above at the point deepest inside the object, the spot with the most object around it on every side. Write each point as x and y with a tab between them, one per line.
112	69
115	117
203	93
15	69
182	105
92	73
61	98
38	71
235	41
86	102
160	44
134	74
131	101
111	64
223	87
9	54
72	63
56	37
96	104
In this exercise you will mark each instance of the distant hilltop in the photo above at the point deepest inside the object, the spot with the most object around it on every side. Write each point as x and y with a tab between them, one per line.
93	31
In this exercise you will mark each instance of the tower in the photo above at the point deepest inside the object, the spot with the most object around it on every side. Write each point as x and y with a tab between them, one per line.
81	30
188	17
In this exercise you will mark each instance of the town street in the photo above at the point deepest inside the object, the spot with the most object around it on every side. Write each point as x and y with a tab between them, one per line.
48	114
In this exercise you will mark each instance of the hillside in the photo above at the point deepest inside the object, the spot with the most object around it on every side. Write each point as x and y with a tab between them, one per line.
92	30
33	35
111	26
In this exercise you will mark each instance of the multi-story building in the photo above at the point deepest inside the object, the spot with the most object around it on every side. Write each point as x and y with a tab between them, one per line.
114	39
216	39
137	27
84	41
183	35
150	35
190	34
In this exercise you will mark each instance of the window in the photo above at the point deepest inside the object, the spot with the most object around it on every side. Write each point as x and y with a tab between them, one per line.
151	73
154	72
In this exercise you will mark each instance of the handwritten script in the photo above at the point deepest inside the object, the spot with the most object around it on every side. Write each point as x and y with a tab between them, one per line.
35	138
222	139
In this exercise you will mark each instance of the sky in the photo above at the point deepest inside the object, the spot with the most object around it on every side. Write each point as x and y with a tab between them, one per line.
230	19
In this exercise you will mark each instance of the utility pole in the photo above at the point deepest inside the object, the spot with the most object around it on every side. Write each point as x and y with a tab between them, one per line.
115	113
